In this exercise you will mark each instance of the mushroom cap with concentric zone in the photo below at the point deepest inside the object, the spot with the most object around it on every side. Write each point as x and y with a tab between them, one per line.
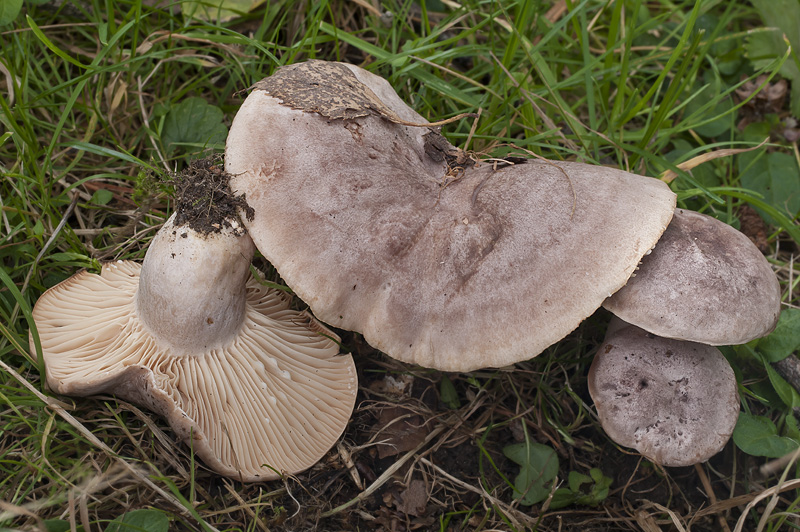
274	399
704	282
675	402
436	260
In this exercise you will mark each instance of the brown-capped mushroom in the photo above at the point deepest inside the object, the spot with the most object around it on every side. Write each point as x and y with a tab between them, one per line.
257	389
703	282
437	260
675	402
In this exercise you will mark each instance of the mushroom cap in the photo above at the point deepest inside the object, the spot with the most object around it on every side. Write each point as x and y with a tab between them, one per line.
704	282
675	402
450	268
273	400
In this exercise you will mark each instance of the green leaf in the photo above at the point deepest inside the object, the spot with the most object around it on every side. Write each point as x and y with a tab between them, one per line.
790	428
575	480
598	486
102	196
55	49
448	393
562	497
57	525
538	467
775	176
9	9
193	122
140	521
218	10
765	47
784	340
721	110
785	391
758	436
781	14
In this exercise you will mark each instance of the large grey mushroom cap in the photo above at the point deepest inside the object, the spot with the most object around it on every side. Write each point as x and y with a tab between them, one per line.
257	396
675	402
450	268
704	282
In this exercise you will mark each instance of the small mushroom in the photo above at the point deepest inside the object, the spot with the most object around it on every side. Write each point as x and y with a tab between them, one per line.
703	282
257	389
439	260
675	402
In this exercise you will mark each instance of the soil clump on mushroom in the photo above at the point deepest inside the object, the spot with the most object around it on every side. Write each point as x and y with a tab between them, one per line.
204	200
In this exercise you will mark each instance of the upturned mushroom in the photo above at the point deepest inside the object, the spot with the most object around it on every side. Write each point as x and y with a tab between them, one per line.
255	388
675	402
439	260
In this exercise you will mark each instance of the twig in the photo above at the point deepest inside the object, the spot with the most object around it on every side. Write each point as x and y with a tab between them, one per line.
672	515
381	480
779	464
711	495
773	492
94	440
511	512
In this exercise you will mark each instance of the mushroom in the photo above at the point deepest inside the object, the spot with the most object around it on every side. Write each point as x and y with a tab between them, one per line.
255	388
439	260
704	282
675	402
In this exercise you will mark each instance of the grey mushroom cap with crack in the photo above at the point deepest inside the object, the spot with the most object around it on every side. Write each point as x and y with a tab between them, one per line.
703	282
675	402
439	261
255	388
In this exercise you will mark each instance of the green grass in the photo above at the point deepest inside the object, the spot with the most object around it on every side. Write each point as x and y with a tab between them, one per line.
96	89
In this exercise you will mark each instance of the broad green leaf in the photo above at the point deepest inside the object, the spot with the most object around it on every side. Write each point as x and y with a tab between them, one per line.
538	467
784	340
218	10
561	498
790	428
193	122
718	125
102	196
758	436
448	393
582	489
575	480
57	525
775	176
140	521
781	14
785	391
9	9
765	47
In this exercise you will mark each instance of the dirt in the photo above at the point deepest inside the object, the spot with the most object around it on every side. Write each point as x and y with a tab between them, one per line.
204	199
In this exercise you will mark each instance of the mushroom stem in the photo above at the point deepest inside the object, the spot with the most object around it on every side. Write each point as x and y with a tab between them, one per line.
192	287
